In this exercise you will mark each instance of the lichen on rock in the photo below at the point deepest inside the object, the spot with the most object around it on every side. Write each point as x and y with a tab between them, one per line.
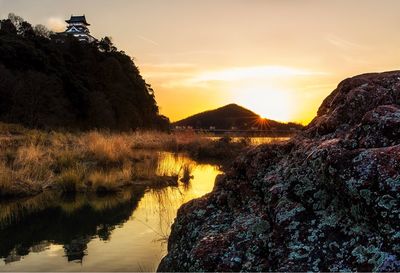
326	200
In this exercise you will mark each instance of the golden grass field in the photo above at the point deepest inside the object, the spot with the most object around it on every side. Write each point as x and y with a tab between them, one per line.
34	160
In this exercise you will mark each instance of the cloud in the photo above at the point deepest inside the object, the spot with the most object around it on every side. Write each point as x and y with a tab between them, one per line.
167	75
168	65
169	71
253	72
175	75
343	43
189	53
56	24
148	40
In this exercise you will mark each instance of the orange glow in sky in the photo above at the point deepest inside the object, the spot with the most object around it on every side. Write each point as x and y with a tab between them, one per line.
277	58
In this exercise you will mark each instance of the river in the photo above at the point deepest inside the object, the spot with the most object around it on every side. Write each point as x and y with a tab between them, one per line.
127	231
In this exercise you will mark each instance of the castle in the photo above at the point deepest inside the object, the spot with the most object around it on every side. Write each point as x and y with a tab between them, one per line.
78	27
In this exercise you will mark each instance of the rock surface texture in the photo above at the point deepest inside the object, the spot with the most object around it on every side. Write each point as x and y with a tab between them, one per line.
327	200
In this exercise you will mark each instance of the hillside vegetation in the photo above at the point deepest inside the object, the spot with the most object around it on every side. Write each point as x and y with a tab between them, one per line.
46	82
233	115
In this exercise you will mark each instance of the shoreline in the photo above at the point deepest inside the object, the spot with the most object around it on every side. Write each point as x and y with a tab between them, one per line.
34	160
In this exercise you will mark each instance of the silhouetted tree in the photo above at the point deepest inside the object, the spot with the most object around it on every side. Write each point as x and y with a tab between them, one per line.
16	21
26	30
7	27
41	30
106	45
23	28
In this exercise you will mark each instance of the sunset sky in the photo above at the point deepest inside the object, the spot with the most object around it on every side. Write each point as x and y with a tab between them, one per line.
279	58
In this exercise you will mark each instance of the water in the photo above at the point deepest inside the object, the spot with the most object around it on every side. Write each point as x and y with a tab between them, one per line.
254	140
123	232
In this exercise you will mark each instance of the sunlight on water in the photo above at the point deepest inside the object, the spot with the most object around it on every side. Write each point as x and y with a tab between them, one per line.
124	232
255	140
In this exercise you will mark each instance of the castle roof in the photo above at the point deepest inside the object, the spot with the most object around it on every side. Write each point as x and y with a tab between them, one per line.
77	19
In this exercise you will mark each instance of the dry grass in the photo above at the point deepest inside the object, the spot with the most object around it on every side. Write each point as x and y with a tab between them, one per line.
16	182
71	179
112	180
31	160
6	180
32	164
107	148
187	170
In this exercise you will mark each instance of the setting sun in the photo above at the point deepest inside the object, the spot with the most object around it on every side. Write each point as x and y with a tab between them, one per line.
271	104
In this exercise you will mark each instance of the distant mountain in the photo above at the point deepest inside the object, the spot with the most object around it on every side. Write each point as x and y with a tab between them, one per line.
232	116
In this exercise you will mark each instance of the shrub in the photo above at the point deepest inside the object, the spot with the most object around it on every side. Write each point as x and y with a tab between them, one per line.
6	180
11	185
32	164
65	159
71	180
107	148
110	181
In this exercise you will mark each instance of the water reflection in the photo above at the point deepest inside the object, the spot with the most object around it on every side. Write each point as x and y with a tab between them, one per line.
69	221
126	231
255	140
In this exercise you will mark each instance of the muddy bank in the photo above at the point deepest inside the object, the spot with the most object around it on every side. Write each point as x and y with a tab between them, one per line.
326	200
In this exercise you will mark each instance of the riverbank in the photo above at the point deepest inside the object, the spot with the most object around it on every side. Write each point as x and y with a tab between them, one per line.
84	231
33	160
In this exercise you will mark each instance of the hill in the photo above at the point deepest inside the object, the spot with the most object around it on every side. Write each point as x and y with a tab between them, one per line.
233	115
46	82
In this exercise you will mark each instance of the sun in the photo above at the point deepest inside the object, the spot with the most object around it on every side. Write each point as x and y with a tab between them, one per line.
269	104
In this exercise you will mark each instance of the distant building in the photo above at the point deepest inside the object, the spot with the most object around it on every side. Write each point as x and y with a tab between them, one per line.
78	27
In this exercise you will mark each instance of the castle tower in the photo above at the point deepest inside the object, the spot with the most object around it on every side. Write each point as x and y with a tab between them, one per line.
78	27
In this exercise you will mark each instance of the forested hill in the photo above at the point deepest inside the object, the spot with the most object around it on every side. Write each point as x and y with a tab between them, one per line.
233	115
50	83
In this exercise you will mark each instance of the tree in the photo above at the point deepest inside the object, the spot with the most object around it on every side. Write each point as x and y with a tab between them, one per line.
26	30
16	21
41	30
7	27
23	28
106	45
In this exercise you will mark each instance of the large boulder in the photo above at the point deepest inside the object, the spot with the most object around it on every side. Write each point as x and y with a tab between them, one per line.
327	200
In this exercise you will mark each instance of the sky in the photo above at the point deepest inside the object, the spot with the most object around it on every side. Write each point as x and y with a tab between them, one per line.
279	58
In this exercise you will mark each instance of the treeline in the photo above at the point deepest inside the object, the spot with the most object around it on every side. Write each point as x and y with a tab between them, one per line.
51	81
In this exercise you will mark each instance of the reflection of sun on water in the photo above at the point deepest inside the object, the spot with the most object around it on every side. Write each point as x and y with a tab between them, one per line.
145	234
165	202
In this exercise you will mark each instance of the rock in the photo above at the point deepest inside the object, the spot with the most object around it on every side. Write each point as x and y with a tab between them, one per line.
327	200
